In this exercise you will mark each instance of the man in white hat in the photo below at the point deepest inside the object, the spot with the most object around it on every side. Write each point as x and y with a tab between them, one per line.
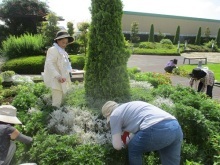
8	133
57	68
153	129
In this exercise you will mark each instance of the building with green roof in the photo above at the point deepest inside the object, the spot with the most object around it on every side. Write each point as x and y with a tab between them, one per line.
167	24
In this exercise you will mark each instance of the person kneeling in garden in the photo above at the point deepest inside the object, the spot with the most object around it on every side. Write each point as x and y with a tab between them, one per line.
170	66
205	78
8	133
152	128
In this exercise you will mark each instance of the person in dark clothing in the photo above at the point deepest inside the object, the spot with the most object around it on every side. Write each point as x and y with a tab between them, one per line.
170	65
8	133
205	78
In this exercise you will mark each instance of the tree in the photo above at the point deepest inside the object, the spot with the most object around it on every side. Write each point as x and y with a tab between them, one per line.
134	32
161	36
198	37
106	65
218	38
70	28
49	28
151	36
177	36
207	34
21	16
83	37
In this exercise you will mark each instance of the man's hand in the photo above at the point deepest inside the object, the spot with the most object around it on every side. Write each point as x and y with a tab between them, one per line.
61	79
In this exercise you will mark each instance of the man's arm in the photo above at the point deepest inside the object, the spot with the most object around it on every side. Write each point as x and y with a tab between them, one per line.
116	141
16	135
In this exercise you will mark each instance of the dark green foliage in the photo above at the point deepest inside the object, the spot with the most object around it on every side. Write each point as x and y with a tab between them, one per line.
106	66
28	95
166	42
76	98
49	28
197	114
211	45
25	45
207	34
70	28
134	33
177	36
189	152
35	64
77	62
155	79
163	91
198	37
22	16
151	37
73	48
218	38
141	94
25	65
147	45
53	149
197	48
132	72
83	37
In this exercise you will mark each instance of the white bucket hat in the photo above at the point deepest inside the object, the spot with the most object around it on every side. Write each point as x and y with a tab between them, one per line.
63	34
8	114
108	108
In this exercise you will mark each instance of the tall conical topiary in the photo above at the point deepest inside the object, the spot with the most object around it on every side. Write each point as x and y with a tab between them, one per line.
198	37
177	36
106	65
218	38
151	36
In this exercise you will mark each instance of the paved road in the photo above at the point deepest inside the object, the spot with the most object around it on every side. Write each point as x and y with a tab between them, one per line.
152	63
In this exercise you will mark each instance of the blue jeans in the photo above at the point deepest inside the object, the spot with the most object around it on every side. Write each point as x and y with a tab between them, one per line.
165	137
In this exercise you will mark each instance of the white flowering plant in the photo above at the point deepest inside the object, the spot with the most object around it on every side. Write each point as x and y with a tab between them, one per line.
74	120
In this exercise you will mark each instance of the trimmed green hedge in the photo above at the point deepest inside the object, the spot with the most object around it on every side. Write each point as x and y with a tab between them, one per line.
35	64
77	61
25	65
170	52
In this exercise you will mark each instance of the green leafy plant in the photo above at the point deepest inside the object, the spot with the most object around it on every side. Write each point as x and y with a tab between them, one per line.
7	74
25	45
155	79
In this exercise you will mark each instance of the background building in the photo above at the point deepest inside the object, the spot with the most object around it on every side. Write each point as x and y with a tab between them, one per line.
167	24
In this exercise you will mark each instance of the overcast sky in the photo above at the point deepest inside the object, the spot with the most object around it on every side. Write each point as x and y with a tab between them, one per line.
78	10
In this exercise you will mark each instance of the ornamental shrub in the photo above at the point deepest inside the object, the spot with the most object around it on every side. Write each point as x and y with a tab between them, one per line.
25	65
25	45
155	79
177	36
166	41
151	36
198	37
106	66
77	61
35	64
147	45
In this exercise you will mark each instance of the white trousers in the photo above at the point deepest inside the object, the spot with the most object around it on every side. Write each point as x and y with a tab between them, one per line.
57	97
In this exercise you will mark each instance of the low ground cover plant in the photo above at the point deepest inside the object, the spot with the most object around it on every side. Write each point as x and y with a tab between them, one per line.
184	70
78	133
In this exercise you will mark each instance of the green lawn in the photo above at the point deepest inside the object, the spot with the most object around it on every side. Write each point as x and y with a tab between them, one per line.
214	67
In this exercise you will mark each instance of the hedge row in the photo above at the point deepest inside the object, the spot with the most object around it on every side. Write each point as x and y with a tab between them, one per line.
35	64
